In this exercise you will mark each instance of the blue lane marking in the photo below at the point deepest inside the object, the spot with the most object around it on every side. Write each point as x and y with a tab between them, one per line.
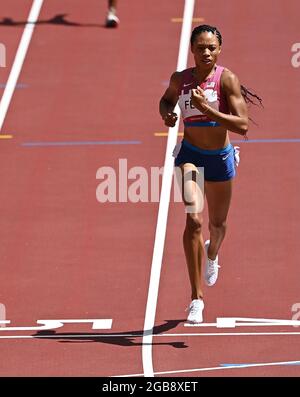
91	143
19	85
80	143
266	140
297	363
233	365
252	365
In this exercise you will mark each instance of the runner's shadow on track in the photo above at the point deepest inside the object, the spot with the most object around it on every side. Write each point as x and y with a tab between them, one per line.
125	339
58	19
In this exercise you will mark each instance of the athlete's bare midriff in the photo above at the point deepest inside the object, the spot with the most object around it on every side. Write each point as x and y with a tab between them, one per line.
210	138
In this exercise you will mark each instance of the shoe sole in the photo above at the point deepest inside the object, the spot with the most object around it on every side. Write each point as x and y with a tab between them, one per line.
112	24
195	322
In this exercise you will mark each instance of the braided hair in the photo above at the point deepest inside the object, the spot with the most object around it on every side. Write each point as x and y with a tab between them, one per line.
205	28
249	96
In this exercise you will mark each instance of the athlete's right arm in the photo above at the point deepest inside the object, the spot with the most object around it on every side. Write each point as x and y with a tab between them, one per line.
168	101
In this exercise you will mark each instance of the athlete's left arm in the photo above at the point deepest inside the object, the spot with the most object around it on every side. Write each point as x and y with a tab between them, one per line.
237	121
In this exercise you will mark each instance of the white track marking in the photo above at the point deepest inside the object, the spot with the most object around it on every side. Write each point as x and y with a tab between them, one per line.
71	336
233	322
222	322
3	320
234	334
19	59
237	366
162	217
54	324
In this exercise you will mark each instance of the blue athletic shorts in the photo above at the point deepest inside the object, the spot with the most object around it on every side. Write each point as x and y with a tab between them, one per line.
219	165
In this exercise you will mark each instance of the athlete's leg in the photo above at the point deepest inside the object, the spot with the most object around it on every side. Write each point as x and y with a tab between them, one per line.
112	3
192	237
218	195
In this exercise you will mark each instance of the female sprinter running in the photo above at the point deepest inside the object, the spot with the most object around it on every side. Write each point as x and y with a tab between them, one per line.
211	104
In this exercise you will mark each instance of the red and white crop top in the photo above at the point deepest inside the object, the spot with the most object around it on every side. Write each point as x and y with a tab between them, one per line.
192	117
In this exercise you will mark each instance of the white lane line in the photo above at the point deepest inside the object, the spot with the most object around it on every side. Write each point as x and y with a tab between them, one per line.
237	366
79	335
162	217
234	334
19	59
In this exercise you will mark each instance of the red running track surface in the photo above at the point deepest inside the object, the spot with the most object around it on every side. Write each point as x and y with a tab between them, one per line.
64	255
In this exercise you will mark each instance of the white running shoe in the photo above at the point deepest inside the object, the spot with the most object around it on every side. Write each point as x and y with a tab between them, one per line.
211	268
112	21
195	311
